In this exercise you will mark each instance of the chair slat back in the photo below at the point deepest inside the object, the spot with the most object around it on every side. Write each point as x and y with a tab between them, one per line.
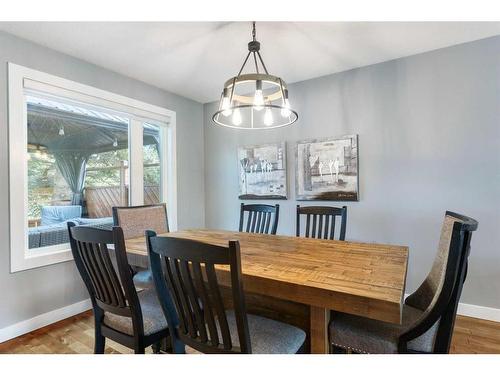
135	220
111	292
320	222
184	272
260	218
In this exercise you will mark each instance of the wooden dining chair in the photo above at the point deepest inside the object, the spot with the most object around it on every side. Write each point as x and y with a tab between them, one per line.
259	218
133	319
135	220
321	221
190	295
428	314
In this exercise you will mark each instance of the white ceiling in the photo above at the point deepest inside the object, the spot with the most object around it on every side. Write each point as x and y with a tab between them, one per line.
194	59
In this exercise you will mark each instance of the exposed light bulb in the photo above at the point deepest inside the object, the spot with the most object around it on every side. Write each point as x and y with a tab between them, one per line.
226	103
115	143
61	131
285	112
258	99
225	106
268	117
237	117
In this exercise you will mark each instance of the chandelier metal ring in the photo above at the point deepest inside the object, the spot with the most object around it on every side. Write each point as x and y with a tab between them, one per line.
294	116
253	77
265	107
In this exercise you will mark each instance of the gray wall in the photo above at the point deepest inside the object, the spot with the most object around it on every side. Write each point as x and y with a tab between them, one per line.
30	293
429	141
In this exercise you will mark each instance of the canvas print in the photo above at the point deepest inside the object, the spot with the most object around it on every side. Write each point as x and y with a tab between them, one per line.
327	169
262	171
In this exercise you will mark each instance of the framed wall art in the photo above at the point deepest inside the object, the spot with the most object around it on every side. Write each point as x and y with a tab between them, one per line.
327	169
262	171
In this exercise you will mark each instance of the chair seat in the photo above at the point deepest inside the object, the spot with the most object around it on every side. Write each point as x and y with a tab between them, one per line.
364	335
143	279
152	315
268	336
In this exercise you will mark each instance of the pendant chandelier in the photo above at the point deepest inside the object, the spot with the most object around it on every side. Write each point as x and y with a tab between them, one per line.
256	100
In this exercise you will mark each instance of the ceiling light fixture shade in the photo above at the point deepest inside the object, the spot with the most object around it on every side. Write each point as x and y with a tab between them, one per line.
255	100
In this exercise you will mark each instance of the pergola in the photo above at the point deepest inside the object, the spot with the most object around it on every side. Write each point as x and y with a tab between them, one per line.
72	133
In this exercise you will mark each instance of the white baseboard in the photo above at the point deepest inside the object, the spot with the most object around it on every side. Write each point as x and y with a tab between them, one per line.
18	329
476	311
43	320
480	312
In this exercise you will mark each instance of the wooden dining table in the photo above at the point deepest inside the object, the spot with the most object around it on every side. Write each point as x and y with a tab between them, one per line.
319	276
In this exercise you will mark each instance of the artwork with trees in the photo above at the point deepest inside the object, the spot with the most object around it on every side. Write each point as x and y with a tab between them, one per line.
327	169
262	171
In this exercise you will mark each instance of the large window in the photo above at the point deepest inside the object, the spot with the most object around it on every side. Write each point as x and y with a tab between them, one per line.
77	167
83	151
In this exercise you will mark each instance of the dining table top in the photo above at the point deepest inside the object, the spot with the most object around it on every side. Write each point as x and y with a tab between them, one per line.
366	279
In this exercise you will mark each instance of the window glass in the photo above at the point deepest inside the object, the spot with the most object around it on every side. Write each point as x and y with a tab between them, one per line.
152	164
77	167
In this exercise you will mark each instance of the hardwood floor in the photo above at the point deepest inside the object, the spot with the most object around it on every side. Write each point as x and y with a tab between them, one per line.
76	335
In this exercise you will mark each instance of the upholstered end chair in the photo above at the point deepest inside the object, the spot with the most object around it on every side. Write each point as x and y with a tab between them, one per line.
134	221
428	314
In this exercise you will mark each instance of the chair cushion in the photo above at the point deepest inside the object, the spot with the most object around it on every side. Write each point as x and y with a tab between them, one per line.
268	336
364	335
143	279
152	316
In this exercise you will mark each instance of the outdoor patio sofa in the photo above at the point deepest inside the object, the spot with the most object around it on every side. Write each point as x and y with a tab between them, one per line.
53	228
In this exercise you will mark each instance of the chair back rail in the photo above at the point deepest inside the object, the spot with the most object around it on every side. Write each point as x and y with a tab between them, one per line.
135	220
320	221
261	218
189	292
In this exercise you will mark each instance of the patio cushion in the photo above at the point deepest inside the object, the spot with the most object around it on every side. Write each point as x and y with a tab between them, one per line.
364	335
268	336
59	214
152	315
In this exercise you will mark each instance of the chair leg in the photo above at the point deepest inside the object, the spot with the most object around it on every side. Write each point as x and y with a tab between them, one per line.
302	349
157	347
336	350
100	342
139	350
99	339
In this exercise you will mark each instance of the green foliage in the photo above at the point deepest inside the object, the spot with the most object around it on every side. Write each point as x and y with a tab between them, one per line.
105	177
45	184
151	173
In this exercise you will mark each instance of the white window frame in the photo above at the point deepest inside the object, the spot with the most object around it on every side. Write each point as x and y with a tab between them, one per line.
22	78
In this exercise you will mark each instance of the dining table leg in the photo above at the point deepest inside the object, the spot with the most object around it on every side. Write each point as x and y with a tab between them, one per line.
319	319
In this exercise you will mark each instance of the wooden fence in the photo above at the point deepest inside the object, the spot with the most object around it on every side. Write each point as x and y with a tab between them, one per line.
100	200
